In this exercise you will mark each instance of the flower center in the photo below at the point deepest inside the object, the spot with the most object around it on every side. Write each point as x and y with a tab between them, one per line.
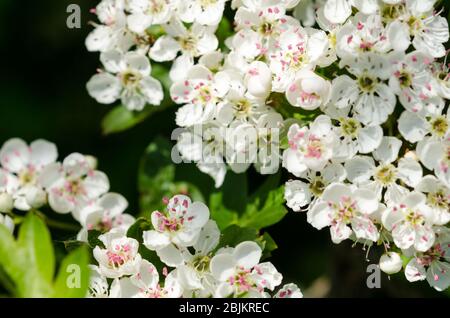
317	186
295	60
242	108
350	127
120	255
242	281
103	226
188	43
404	78
27	176
74	187
344	210
314	149
439	126
367	83
386	174
415	24
439	199
266	28
201	263
131	78
414	218
391	13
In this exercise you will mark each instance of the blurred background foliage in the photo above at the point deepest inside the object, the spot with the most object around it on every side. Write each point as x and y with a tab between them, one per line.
45	67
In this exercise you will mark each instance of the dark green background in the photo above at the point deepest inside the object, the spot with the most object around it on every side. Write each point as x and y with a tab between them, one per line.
44	68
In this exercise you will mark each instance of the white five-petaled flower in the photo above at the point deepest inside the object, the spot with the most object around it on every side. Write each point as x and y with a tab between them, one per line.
413	82
438	198
435	155
113	32
410	222
193	268
342	206
299	194
127	78
200	91
72	184
370	99
428	29
103	215
434	264
415	127
192	42
24	165
362	171
295	51
361	35
310	147
120	256
180	225
240	274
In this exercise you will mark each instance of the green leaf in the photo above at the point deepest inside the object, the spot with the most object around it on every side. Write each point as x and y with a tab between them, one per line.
120	119
224	31
269	245
93	239
73	277
28	262
271	212
224	217
135	231
234	234
35	239
12	259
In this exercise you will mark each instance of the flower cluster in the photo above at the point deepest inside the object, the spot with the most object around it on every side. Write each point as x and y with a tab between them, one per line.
183	237
31	177
373	164
365	174
186	240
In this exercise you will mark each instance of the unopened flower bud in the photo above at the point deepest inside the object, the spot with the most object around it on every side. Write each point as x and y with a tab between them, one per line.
36	197
390	263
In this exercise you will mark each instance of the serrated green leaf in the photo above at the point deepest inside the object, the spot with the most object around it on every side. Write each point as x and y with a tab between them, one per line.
234	234
271	212
73	277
